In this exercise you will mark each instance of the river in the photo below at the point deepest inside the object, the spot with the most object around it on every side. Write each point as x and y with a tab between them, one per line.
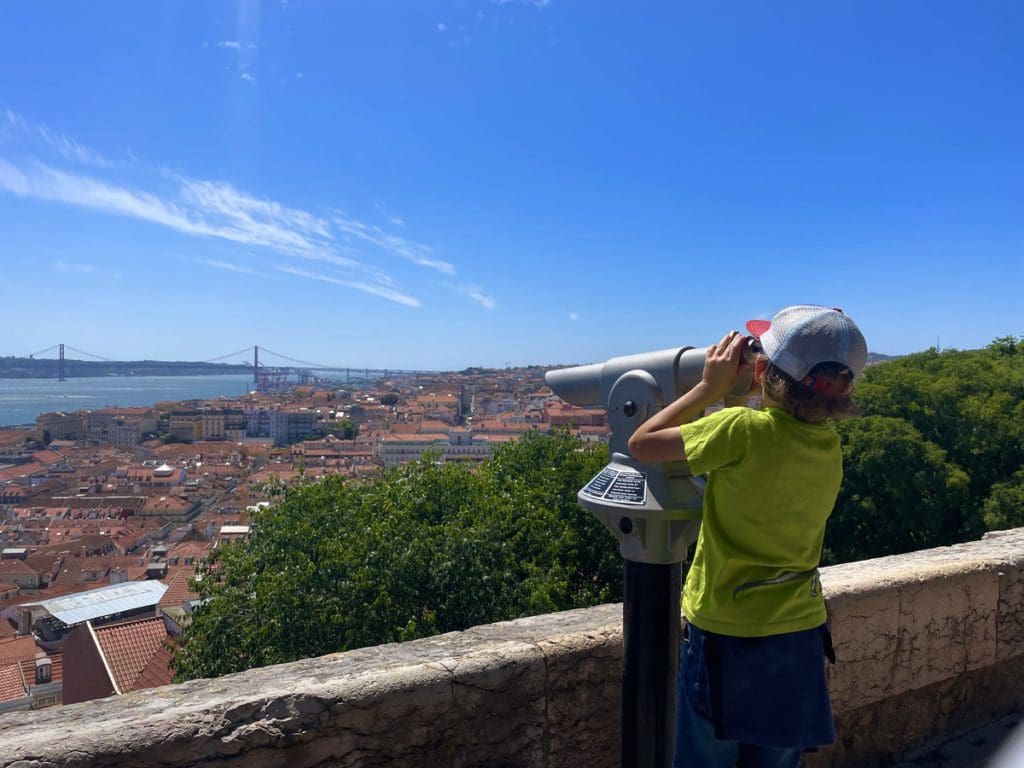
22	400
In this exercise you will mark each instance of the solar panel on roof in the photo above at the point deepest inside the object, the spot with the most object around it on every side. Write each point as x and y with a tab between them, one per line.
105	601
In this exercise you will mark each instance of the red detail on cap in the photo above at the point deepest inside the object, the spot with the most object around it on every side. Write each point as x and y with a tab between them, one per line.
837	309
828	385
757	327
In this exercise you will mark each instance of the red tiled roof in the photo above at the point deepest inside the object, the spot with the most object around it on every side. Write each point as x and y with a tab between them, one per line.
23	470
136	410
12	436
9	567
178	591
47	457
131	649
432	425
12	684
166	504
268	474
195	549
157	672
18	649
403	428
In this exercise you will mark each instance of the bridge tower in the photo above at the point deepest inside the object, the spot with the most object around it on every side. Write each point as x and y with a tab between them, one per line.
256	367
60	365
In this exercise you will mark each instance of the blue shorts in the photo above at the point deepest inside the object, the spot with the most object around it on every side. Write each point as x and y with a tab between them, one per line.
762	691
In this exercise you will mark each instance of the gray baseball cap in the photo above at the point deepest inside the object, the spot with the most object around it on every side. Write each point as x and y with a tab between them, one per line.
800	337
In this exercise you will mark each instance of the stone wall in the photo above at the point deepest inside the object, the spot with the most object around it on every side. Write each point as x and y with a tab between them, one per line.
928	643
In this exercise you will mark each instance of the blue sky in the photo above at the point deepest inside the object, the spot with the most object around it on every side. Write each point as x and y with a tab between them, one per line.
435	185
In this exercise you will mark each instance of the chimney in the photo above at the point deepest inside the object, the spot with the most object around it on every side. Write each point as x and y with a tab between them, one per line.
24	621
156	571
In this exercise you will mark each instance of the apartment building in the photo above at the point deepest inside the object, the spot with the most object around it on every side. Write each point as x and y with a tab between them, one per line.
259	421
119	425
60	426
293	426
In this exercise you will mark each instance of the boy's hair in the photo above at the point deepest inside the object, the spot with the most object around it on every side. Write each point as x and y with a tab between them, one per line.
823	394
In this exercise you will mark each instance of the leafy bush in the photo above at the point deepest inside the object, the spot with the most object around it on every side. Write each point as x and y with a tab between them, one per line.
430	547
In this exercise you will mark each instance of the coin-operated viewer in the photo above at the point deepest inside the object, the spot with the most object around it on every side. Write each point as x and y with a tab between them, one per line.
653	509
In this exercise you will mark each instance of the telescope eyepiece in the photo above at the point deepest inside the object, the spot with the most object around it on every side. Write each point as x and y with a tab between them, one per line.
751	349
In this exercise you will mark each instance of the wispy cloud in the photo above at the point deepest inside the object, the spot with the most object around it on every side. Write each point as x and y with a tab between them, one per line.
534	3
214	209
573	316
199	208
265	221
42	182
235	45
248	78
65	147
375	290
417	253
393	220
477	294
229	267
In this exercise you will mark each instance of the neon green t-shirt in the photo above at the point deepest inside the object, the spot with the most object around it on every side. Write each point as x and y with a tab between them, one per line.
772	483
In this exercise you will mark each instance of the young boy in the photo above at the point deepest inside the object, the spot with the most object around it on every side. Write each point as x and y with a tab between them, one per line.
752	687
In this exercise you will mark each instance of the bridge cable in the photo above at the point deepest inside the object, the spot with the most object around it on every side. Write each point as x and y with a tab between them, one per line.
305	363
43	351
90	354
246	351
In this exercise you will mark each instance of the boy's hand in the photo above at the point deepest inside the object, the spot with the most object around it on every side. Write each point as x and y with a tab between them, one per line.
723	365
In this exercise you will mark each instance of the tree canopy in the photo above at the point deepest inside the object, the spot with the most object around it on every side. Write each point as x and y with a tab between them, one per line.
938	454
430	547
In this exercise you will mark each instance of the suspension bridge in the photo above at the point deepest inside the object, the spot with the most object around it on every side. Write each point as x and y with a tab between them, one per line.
281	373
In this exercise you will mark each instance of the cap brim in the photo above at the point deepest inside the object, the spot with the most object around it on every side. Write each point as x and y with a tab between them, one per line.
757	327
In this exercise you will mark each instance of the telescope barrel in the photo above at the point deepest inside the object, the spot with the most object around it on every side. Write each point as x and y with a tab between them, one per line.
676	370
580	385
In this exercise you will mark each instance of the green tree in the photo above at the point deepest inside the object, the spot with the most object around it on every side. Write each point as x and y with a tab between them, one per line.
430	547
1004	507
969	403
346	429
899	492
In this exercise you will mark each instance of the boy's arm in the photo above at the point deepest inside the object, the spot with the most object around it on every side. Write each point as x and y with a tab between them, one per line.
658	438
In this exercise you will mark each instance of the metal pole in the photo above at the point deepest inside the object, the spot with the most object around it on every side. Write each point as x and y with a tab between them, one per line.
650	660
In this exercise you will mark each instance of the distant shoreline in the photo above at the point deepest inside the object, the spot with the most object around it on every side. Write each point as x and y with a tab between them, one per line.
23	399
28	368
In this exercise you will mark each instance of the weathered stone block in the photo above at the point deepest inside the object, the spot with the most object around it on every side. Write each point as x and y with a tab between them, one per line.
1010	613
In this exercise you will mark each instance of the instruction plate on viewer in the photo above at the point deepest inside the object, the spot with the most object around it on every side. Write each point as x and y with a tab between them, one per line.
622	486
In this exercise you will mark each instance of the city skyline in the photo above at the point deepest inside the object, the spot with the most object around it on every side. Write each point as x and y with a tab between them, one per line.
442	185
